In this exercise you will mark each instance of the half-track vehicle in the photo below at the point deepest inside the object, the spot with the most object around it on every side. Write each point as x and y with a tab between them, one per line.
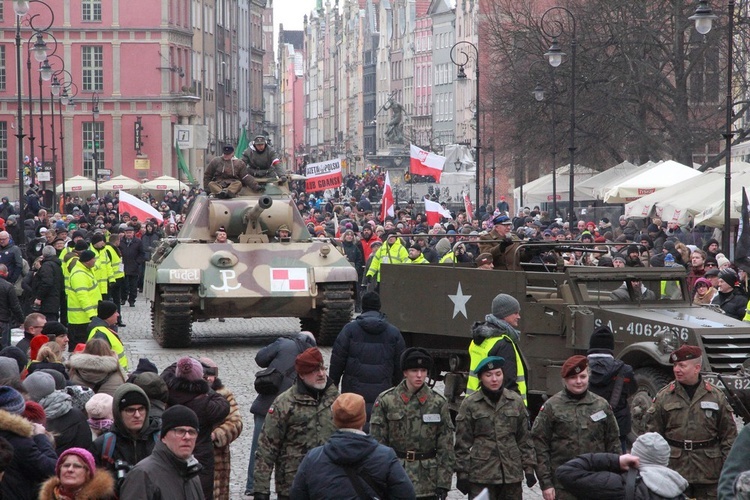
255	274
435	306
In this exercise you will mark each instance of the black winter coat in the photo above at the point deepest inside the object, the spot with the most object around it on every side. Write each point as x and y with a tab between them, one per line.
321	474
10	306
34	458
280	355
210	407
604	370
366	357
598	475
733	304
48	285
71	431
132	256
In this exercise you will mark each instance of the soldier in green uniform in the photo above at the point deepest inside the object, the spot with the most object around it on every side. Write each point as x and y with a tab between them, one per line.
493	443
414	420
299	419
572	422
696	420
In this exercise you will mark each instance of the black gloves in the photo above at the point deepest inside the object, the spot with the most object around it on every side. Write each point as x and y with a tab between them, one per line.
530	479
441	493
463	485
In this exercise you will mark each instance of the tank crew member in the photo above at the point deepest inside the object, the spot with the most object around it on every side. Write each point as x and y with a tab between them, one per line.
484	261
225	176
498	336
262	161
221	235
696	420
493	423
414	420
502	250
283	234
572	422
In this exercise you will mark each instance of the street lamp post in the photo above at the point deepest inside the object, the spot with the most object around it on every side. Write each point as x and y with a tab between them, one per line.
59	90
539	96
465	57
67	100
94	116
703	18
554	29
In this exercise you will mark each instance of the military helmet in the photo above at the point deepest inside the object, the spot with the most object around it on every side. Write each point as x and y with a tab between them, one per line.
259	139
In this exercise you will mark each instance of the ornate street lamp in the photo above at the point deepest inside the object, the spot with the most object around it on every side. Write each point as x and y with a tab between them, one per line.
94	116
462	47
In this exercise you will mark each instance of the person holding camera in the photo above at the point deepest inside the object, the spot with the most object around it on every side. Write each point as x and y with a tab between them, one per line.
171	471
133	435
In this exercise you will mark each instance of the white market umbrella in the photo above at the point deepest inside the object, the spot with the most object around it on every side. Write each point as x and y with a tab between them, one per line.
165	183
595	186
652	180
77	184
120	182
541	192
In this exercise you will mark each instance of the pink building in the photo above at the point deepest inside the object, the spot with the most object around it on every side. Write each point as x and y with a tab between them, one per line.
133	60
422	118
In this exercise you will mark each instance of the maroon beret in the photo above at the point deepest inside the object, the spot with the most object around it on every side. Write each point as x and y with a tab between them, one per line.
308	361
686	352
574	365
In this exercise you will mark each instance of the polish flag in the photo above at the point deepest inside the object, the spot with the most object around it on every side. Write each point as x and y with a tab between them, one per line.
135	206
386	204
469	207
434	212
425	163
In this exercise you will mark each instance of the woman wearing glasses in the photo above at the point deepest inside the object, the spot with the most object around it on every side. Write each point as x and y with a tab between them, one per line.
76	477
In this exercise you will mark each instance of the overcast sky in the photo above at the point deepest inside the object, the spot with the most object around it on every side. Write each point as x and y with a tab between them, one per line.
291	13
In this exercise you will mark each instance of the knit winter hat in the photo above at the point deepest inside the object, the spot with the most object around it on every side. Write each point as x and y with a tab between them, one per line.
130	395
105	309
371	302
54	328
309	361
153	385
729	276
84	455
349	411
178	416
16	354
8	368
59	378
99	406
11	400
87	256
36	343
652	449
602	338
144	365
39	385
34	413
503	305
189	369
209	367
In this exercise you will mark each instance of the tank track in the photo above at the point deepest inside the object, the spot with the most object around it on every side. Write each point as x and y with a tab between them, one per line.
171	318
334	311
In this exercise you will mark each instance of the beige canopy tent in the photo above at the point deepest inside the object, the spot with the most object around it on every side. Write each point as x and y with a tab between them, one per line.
540	190
120	182
77	184
651	180
165	183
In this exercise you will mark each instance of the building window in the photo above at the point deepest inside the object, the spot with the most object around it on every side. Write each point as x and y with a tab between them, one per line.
93	131
91	10
92	63
3	150
2	67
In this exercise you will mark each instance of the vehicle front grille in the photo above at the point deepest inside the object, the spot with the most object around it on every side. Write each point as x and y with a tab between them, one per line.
726	353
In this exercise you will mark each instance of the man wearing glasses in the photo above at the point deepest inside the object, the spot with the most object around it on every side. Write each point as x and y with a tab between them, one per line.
171	471
132	436
32	326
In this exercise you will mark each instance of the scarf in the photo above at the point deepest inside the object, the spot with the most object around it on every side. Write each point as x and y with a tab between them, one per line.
514	334
56	404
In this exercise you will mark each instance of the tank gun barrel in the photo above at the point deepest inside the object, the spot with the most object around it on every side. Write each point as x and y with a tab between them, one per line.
264	203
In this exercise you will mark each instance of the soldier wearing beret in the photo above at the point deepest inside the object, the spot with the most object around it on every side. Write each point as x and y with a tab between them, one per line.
299	419
696	420
414	420
572	422
493	443
500	243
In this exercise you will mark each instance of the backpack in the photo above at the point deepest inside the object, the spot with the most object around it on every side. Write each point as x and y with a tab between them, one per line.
110	440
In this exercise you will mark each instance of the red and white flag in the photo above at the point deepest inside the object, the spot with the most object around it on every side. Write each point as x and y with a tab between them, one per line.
435	212
469	207
386	204
425	163
135	206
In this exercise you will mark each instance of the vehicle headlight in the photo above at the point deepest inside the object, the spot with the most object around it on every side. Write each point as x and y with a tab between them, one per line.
325	250
668	342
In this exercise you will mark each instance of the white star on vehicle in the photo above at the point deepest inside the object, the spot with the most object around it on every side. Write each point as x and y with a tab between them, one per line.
459	302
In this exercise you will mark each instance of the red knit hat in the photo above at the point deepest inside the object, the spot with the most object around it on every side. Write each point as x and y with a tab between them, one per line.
308	361
34	413
36	343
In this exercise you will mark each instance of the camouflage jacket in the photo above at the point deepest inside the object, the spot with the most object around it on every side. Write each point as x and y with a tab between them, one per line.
493	442
568	427
296	423
417	422
707	416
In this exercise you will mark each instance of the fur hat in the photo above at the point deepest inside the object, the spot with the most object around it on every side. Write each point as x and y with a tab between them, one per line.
415	357
189	369
574	365
105	309
309	361
84	455
602	339
371	301
349	411
178	416
11	400
34	413
652	449
503	305
39	385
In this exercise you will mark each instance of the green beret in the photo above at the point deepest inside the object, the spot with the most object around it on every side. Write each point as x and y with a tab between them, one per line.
489	363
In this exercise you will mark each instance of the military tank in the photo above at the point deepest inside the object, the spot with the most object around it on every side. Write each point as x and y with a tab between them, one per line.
254	274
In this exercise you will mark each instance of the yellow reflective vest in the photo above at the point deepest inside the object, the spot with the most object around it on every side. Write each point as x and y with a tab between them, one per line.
478	352
388	254
418	260
114	342
448	258
84	295
103	268
115	261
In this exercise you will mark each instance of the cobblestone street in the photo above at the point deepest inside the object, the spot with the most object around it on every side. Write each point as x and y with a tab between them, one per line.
232	345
